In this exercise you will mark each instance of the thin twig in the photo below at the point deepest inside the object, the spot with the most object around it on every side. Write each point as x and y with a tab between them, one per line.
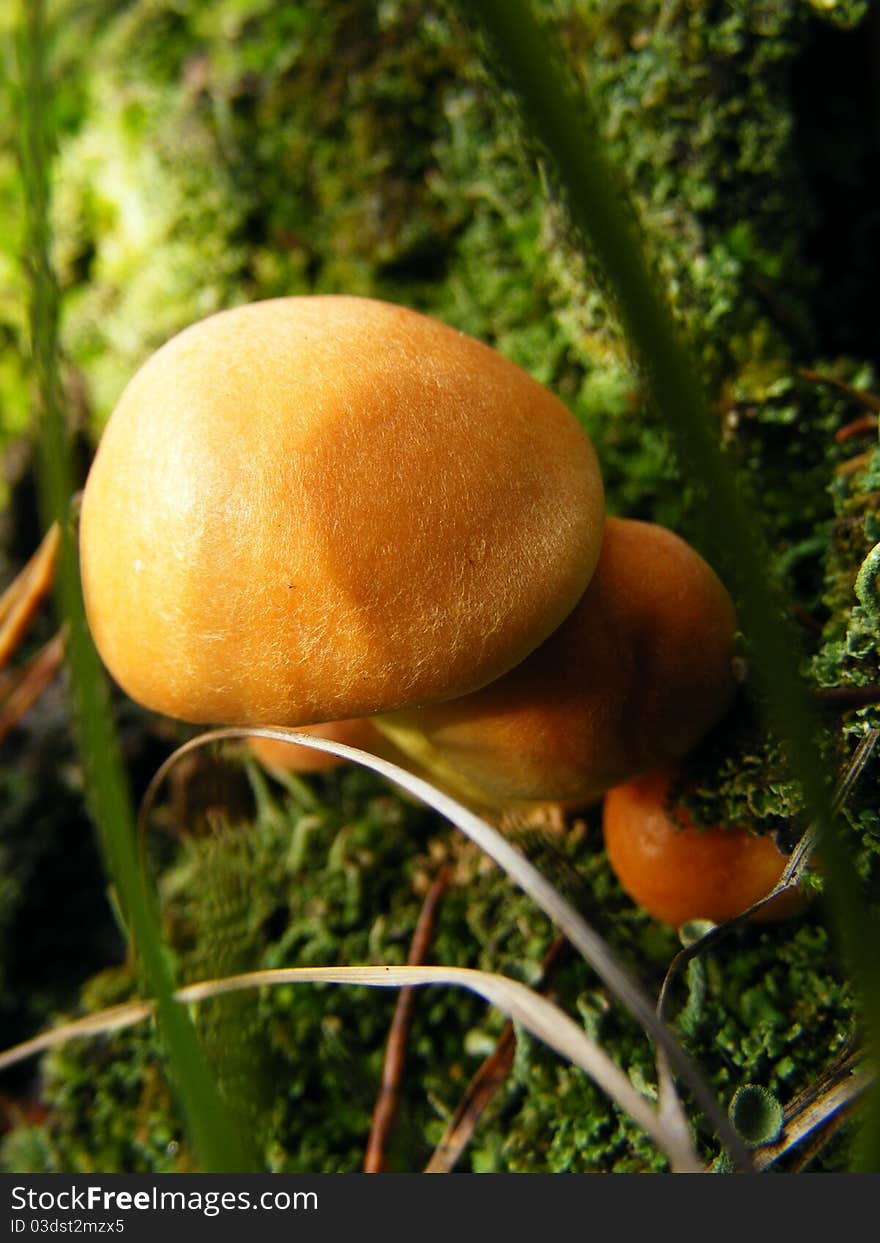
486	1082
395	1052
819	1139
27	686
480	1091
869	400
846	696
864	424
23	596
818	1105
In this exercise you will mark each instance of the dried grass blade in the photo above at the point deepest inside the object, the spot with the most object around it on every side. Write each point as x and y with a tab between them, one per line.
593	948
540	1017
788	881
114	1019
837	1099
535	1014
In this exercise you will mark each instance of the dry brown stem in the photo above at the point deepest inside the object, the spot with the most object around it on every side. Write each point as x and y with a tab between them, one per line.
22	598
385	1108
27	685
484	1084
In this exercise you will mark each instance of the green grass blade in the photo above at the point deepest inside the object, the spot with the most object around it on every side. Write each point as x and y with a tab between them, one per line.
215	1139
562	119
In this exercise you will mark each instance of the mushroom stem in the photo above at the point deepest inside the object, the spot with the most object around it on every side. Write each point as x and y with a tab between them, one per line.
424	758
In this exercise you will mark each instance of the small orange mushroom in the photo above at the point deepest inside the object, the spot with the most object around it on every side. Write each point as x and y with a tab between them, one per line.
679	872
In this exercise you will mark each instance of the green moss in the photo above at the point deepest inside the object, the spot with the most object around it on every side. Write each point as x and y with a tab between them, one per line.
342	884
362	148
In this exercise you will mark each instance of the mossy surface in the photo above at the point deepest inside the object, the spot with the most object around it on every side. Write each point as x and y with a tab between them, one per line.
211	154
342	882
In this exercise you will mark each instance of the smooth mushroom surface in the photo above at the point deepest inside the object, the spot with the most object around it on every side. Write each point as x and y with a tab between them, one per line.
679	872
317	508
633	678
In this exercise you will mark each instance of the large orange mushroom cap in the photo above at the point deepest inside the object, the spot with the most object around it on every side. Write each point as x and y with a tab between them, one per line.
316	508
635	675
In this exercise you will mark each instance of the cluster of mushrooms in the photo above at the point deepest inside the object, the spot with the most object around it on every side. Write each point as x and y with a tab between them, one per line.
334	512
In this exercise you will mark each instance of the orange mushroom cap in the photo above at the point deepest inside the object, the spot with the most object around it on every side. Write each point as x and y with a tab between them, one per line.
679	872
317	508
636	674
